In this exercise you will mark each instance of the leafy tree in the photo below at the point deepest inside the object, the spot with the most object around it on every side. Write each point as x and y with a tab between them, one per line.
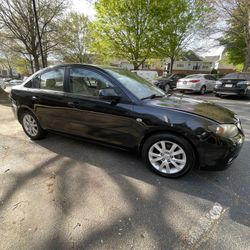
74	38
140	29
234	43
236	14
184	19
18	22
126	29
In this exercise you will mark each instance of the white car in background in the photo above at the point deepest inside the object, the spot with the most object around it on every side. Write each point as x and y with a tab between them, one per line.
8	84
149	75
201	83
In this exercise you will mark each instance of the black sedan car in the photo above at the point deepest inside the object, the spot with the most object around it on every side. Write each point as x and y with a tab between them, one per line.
234	84
116	107
168	82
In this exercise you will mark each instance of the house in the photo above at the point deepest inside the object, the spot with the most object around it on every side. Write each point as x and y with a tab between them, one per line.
220	64
190	63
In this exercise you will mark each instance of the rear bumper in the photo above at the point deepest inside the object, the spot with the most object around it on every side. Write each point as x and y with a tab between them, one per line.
192	87
232	91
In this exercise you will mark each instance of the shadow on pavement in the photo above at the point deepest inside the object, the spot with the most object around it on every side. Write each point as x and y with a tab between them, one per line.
4	99
80	172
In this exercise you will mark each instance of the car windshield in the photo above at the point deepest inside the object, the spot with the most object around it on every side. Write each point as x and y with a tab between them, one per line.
140	87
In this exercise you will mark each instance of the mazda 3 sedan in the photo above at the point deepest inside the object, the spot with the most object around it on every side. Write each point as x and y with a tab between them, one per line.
172	133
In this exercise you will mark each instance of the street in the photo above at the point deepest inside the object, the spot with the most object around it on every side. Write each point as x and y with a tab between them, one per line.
60	193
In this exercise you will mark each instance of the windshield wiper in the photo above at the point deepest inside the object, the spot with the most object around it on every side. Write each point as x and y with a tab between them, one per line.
152	97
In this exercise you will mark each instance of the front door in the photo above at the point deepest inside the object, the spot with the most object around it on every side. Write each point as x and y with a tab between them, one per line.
95	118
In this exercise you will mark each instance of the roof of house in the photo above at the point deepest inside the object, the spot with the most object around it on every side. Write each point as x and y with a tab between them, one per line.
211	58
191	56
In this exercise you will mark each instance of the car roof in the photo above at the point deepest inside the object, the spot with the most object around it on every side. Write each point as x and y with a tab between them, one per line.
80	64
237	75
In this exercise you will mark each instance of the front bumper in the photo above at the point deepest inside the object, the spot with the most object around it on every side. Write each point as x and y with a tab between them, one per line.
220	155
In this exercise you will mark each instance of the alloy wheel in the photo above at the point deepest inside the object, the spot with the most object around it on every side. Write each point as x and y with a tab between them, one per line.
167	157
30	125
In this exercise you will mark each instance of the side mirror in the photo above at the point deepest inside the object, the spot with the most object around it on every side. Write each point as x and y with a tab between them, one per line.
109	94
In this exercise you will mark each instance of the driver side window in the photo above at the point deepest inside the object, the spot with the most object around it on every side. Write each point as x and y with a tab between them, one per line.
87	82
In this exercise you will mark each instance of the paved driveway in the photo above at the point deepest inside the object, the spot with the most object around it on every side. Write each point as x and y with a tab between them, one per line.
60	193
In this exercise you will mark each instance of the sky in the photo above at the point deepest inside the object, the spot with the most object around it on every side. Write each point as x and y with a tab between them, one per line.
85	7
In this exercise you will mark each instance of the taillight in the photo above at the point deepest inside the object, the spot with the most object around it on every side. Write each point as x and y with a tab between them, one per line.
194	81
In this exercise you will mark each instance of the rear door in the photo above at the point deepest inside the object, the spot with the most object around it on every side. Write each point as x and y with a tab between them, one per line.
48	98
93	117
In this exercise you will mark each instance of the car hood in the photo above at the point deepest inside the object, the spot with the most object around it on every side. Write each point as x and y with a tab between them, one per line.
195	106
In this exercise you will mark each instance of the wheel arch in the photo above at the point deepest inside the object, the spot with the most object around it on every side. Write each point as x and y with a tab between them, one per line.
148	135
20	111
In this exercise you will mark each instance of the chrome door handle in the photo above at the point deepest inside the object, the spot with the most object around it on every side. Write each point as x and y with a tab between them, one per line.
73	104
35	98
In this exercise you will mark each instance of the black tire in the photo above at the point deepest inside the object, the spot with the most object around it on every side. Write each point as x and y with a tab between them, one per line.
176	140
167	88
40	133
217	95
203	90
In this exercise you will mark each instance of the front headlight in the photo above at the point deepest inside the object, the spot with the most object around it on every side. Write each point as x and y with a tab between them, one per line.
239	84
225	130
217	84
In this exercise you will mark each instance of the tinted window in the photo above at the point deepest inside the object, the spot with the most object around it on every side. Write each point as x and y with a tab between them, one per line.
51	80
87	82
209	77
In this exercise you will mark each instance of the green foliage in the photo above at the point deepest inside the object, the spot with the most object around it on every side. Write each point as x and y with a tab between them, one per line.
126	29
74	39
140	29
234	43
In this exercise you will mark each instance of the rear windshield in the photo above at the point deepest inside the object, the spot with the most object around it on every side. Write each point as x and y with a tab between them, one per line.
245	76
193	76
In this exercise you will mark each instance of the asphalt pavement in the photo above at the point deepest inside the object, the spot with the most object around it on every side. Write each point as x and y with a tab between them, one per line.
60	193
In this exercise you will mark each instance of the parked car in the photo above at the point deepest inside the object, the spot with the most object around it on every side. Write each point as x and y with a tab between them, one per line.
237	84
201	83
172	133
149	75
168	82
10	83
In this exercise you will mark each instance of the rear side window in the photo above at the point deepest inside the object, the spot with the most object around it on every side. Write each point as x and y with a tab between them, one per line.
50	80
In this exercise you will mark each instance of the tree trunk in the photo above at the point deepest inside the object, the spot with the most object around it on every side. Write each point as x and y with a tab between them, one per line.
247	59
45	58
136	65
171	64
36	62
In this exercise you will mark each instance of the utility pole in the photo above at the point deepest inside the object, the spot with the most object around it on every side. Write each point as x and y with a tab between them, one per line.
38	33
